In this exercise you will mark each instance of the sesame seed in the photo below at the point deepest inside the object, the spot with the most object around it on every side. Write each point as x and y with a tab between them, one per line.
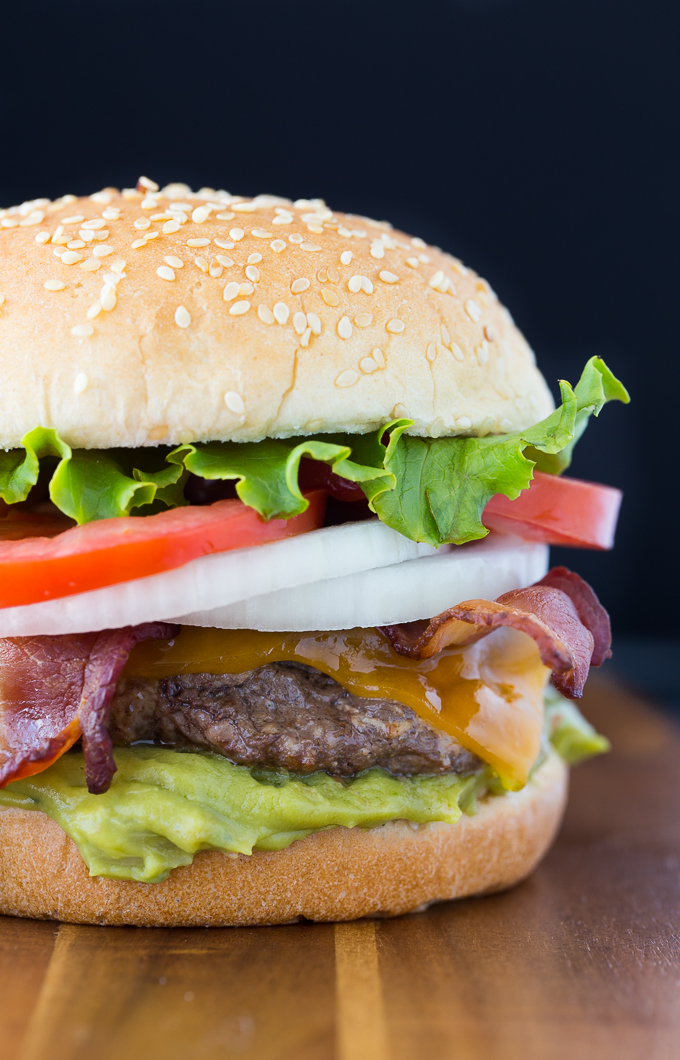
346	257
488	333
457	352
261	233
436	279
236	234
223	244
342	231
345	328
446	338
354	283
395	326
80	383
333	274
175	263
309	246
198	242
277	245
322	275
103	234
245	288
71	257
200	214
314	323
73	220
112	214
151	235
294	237
9	222
388	277
182	317
254	259
379	357
431	351
147	185
223	260
108	297
299	322
347	378
216	270
91	265
96	224
298	286
281	313
2	299
202	264
58	252
424	259
464	422
265	314
239	308
54	285
101	252
412	263
82	331
162	217
94	310
170	226
35	218
234	402
330	297
417	242
306	335
359	233
231	291
253	273
142	222
283	219
86	235
227	216
165	273
377	249
42	237
137	243
244	207
482	352
473	310
368	365
363	320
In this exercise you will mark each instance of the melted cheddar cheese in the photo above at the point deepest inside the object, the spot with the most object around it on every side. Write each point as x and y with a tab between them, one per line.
489	695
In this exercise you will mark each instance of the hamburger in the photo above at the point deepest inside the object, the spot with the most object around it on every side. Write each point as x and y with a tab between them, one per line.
278	633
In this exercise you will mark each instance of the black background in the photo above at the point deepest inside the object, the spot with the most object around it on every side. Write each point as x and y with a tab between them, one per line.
536	139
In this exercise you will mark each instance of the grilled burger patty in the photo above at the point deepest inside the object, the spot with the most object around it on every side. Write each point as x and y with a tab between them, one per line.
283	716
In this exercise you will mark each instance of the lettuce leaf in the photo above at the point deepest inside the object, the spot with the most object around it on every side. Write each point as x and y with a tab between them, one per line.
431	490
87	484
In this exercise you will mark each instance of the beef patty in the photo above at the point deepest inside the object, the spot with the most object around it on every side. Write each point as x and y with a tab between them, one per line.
283	716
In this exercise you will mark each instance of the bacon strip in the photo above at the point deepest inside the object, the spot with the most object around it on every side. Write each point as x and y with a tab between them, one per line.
561	613
55	689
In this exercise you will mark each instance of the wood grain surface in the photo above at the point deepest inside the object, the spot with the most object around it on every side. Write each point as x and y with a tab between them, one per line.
581	961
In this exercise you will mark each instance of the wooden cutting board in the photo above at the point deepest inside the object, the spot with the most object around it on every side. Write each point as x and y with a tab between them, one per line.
582	961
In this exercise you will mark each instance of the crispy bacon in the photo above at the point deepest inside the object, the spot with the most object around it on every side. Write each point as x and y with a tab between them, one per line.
561	613
55	689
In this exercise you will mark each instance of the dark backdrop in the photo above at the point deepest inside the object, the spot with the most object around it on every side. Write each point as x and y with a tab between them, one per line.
534	138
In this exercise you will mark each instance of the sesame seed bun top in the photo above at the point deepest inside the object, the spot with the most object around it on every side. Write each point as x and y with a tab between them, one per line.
148	317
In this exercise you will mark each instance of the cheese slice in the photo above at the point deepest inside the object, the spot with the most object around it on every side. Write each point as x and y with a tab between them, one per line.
489	695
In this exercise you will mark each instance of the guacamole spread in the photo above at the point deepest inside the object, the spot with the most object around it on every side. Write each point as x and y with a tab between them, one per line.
164	805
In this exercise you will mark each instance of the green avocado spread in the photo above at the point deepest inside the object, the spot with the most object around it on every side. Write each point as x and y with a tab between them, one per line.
164	805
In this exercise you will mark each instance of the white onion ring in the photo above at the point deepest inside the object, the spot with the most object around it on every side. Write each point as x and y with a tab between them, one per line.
218	580
404	592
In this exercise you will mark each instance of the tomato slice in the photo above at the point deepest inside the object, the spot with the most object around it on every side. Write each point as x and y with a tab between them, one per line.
110	551
558	511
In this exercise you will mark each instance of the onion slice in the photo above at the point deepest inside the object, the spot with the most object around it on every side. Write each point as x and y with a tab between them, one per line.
218	580
382	596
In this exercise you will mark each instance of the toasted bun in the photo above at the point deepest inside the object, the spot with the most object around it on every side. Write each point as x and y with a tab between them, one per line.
121	356
340	874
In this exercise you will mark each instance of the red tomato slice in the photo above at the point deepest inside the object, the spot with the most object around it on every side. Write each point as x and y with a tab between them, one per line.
110	551
558	511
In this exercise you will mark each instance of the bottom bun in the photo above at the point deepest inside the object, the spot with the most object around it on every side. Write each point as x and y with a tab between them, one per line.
340	874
